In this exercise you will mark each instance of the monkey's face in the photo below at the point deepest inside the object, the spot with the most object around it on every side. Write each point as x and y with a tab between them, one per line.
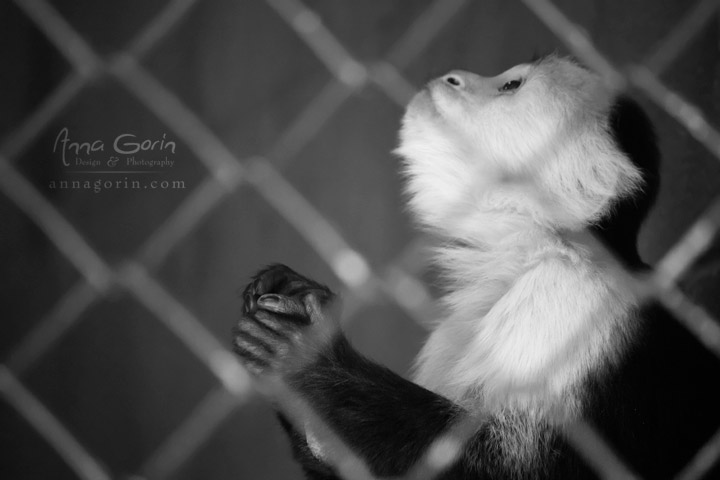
541	124
508	120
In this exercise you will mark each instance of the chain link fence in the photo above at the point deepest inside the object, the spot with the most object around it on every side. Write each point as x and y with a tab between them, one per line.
398	281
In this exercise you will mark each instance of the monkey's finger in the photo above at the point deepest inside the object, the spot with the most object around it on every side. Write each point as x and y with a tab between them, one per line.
252	356
282	305
280	325
312	305
257	331
249	301
252	363
322	313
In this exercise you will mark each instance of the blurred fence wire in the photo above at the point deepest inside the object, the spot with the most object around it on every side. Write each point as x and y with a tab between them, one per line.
398	281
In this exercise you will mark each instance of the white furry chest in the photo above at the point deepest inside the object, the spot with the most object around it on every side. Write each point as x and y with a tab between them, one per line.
529	343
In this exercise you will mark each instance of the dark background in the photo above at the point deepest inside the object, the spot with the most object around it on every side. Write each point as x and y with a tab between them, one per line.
118	379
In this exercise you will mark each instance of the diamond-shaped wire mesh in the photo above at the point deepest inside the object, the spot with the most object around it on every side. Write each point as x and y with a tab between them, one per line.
265	102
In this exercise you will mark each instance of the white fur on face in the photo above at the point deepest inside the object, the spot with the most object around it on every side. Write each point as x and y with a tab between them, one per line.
541	151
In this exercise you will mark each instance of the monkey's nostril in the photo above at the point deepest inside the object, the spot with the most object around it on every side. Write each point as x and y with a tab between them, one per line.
454	81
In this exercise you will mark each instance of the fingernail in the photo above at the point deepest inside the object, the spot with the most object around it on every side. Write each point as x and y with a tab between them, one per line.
269	300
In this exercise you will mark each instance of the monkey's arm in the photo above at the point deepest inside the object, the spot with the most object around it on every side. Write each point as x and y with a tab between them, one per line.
386	420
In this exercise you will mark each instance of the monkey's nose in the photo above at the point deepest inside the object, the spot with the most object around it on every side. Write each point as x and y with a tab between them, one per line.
454	81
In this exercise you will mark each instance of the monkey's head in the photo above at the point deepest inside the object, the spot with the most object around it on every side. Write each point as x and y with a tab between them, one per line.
534	143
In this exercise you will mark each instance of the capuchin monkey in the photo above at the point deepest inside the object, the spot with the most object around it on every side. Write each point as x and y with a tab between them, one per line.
538	332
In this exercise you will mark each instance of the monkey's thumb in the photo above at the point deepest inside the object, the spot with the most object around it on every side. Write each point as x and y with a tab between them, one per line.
281	304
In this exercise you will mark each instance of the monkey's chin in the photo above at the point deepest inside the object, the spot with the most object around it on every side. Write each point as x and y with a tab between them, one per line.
422	105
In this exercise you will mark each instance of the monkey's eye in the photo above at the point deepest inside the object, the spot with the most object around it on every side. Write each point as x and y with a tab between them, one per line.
511	85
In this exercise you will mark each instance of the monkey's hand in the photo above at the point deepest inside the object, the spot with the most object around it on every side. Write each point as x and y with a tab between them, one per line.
287	323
